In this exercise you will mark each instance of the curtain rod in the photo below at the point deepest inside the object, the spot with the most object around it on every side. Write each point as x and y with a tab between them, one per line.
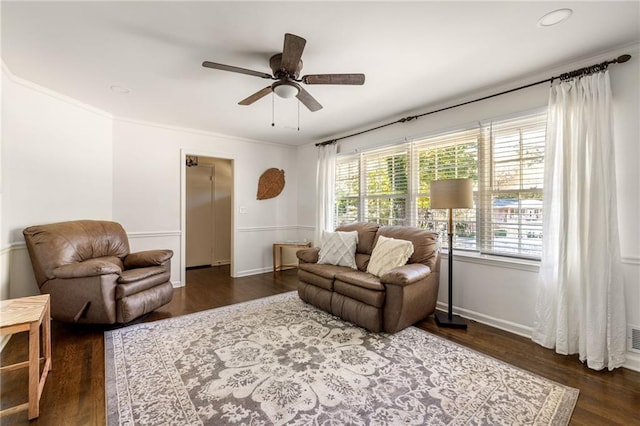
565	76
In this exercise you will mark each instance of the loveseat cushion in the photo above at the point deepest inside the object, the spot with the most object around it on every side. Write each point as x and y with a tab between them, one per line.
360	286
320	275
425	243
361	279
389	253
366	235
338	248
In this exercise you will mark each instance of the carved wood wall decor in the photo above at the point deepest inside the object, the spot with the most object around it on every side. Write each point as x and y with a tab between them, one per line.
270	184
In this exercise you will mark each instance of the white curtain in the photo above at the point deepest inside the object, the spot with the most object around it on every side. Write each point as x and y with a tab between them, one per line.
580	307
325	185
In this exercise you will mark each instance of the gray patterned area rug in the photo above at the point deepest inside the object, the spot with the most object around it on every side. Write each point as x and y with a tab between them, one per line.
280	361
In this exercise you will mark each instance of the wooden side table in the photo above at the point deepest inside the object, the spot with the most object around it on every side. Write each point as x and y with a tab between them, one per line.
28	314
277	254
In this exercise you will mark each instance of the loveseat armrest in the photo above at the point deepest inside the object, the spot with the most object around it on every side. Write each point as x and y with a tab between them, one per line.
308	255
142	259
406	274
87	268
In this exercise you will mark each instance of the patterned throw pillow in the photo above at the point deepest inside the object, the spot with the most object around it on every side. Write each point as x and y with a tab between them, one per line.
338	248
388	254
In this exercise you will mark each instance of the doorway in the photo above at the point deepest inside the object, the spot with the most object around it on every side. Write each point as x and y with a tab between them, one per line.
208	207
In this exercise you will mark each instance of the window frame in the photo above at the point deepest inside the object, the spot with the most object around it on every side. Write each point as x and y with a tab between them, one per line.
484	187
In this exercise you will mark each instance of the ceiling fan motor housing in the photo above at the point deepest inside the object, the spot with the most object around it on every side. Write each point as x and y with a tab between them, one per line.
275	62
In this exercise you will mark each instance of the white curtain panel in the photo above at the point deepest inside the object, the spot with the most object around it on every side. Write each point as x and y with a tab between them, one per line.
325	185
580	307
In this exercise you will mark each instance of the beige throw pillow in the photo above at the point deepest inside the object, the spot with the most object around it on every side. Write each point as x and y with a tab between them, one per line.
338	248
388	254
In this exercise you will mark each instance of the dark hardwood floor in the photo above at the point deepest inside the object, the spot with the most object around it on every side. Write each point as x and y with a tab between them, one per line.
74	393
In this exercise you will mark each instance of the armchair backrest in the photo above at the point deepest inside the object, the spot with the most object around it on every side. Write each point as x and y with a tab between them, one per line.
57	244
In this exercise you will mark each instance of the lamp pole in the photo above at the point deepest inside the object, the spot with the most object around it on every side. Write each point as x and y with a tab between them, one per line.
451	321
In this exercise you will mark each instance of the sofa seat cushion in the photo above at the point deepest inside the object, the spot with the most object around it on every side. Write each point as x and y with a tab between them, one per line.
323	270
360	279
354	311
360	286
320	275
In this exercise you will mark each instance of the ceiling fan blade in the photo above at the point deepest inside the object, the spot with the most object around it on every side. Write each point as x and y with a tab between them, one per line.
292	53
356	79
308	100
259	94
231	68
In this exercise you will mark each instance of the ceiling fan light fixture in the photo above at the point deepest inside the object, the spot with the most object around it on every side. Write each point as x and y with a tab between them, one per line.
555	17
285	90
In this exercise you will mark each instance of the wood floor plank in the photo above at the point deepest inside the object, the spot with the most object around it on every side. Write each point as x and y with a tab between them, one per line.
74	393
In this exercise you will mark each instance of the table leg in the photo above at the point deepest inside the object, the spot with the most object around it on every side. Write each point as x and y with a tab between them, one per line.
46	334
34	369
274	260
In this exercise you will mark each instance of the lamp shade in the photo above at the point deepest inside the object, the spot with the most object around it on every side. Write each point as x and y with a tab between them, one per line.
451	194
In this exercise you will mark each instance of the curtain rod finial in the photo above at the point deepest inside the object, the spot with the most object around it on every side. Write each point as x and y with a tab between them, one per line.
623	58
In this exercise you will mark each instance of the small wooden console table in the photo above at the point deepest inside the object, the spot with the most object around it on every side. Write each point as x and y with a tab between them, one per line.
28	314
277	254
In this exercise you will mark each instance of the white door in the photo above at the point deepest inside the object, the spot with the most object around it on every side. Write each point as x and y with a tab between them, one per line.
199	215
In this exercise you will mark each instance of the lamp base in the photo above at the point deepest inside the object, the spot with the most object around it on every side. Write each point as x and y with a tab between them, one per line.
443	320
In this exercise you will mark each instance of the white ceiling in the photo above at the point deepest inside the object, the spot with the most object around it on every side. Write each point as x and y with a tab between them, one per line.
414	54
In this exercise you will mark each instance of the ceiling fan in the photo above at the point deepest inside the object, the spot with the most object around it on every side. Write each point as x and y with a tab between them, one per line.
286	68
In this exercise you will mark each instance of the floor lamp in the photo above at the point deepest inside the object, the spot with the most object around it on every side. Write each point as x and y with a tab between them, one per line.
451	194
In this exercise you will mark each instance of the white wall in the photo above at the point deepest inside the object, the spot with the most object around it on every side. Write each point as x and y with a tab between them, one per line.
56	166
63	160
147	188
495	291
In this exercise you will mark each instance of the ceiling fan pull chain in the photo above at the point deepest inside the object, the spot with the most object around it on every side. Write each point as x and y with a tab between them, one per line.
298	115
273	106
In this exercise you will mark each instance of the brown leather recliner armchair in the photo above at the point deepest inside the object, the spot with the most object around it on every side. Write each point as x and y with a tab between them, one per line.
86	267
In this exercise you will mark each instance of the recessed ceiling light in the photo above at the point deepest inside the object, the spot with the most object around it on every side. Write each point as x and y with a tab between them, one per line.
555	17
119	89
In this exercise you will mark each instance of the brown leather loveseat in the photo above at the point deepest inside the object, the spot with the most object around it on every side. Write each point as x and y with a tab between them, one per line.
86	267
389	303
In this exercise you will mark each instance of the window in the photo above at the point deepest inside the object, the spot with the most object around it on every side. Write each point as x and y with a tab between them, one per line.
505	160
512	209
347	196
386	188
450	156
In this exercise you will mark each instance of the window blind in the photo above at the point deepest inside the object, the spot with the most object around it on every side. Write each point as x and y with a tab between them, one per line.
386	185
513	184
449	156
504	159
347	195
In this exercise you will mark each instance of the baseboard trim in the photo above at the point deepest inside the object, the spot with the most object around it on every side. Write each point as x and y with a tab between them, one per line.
256	271
632	361
498	323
